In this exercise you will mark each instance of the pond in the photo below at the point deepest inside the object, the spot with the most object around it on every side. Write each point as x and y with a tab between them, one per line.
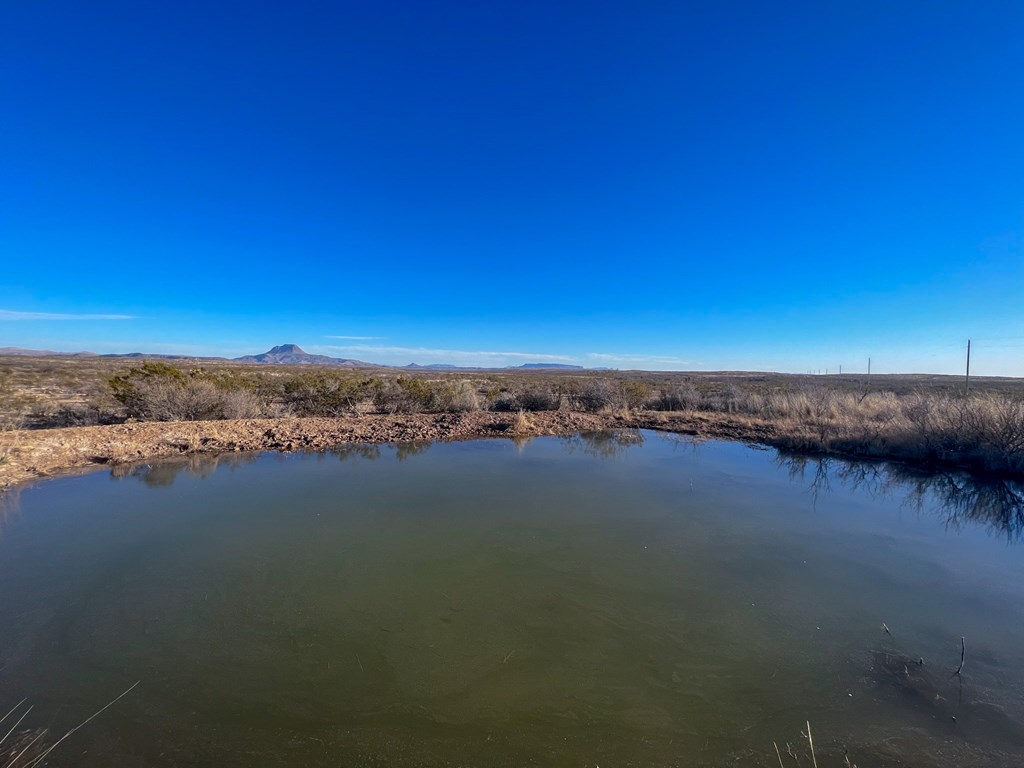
616	599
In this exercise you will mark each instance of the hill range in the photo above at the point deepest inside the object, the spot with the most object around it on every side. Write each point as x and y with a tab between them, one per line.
282	354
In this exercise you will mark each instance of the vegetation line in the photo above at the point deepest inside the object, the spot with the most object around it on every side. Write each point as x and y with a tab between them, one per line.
920	421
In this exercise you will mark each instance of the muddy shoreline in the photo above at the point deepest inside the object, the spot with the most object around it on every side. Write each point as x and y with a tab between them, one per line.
34	454
28	455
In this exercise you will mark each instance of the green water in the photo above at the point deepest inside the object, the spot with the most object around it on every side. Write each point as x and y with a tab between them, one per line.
625	600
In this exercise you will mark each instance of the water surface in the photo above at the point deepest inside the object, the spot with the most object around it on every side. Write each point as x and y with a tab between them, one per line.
614	599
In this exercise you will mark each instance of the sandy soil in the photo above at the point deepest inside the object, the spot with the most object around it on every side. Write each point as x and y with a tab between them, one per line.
26	455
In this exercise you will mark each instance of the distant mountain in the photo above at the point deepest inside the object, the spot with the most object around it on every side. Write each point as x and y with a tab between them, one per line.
149	356
20	352
560	366
288	354
293	354
526	366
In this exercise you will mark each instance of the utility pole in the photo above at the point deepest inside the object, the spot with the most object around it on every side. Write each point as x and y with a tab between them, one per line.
840	370
869	366
967	377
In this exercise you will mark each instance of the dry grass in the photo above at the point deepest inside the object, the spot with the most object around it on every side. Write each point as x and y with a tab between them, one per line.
984	433
521	425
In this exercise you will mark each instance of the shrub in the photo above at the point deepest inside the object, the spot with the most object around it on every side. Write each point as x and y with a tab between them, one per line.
596	395
190	400
682	398
128	388
538	399
505	402
242	404
76	416
634	393
160	392
459	397
404	395
323	393
416	395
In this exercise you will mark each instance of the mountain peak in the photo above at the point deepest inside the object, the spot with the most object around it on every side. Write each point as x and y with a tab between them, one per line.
293	354
287	349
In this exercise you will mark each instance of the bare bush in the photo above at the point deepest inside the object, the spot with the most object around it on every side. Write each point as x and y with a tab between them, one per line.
171	401
596	395
634	393
242	404
160	392
455	397
684	397
538	399
77	416
984	431
404	395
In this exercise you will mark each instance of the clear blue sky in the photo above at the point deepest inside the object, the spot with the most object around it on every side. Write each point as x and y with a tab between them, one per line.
742	185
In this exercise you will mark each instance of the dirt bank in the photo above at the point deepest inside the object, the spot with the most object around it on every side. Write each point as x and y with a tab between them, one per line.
30	454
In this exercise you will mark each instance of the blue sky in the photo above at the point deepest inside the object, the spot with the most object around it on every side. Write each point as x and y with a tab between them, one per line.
719	185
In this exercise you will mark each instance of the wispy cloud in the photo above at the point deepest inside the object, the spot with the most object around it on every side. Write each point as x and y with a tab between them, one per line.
11	314
356	338
454	356
608	357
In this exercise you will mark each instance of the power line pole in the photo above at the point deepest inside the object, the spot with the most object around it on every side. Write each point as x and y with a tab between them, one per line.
967	377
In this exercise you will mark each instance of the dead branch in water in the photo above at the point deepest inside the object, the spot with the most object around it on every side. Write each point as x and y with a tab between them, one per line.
963	653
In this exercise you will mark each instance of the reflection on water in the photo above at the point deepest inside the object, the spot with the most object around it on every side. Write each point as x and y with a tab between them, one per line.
959	498
604	444
368	452
163	473
614	598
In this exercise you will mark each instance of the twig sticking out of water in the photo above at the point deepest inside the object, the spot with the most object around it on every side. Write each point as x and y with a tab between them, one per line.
509	656
963	652
87	720
779	755
28	746
810	741
789	749
12	710
23	716
886	628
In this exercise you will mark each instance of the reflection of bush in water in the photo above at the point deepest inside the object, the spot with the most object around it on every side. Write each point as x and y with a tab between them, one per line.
997	504
355	451
604	444
10	505
163	473
404	450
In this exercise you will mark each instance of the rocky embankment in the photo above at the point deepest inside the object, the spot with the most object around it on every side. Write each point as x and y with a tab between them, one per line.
30	454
